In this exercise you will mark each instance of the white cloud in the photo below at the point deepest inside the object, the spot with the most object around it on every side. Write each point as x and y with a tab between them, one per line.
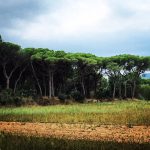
73	18
83	18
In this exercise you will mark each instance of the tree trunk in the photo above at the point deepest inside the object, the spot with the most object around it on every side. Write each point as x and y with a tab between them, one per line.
44	84
52	80
95	84
114	91
8	76
38	83
7	82
50	84
74	84
133	91
120	91
83	88
125	89
16	83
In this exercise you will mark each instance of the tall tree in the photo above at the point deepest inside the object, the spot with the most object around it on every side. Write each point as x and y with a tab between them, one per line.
113	72
24	61
1	39
81	61
9	59
48	60
30	52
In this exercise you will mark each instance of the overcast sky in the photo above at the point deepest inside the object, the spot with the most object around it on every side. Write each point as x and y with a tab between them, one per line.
101	27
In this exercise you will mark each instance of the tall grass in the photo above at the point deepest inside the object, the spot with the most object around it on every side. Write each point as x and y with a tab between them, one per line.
21	142
120	112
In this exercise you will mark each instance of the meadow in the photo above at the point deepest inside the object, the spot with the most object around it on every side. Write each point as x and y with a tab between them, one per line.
111	113
129	113
18	142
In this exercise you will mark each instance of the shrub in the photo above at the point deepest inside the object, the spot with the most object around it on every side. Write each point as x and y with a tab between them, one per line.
145	91
102	93
62	97
103	89
27	92
76	95
7	97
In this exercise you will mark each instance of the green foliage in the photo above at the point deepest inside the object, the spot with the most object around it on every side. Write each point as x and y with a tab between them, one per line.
103	90
53	72
85	58
1	39
27	89
144	91
77	96
62	97
8	98
145	81
8	51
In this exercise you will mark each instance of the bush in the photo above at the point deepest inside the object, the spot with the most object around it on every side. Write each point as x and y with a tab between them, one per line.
7	97
27	92
145	91
17	101
145	81
102	93
103	89
62	97
76	95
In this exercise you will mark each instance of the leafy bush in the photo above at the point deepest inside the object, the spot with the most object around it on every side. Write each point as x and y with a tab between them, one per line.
76	95
27	92
62	97
145	91
103	90
145	81
102	93
7	97
17	101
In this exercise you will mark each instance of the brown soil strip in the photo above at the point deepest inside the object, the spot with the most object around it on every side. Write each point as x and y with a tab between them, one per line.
138	134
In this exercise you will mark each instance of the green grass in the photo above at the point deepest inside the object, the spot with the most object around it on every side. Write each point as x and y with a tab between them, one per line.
118	112
21	142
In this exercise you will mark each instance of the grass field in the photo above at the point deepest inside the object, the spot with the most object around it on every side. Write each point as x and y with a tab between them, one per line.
18	142
115	113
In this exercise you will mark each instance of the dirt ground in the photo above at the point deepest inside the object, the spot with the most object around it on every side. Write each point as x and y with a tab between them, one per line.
138	134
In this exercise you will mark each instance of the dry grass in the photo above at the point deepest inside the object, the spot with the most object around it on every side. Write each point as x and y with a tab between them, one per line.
136	134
